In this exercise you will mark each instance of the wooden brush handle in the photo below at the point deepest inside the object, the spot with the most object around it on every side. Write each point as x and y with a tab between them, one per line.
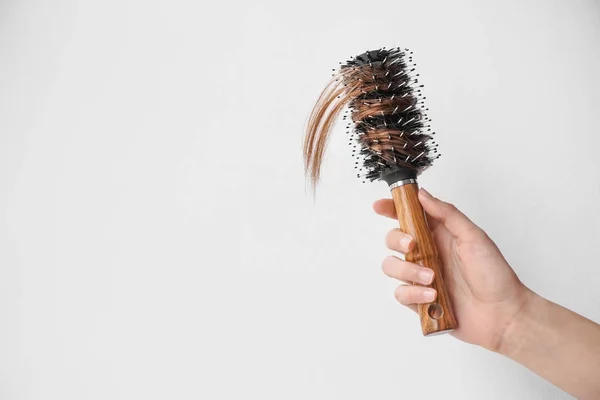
412	221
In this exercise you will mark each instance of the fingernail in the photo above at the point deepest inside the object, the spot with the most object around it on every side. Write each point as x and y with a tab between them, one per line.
429	294
405	242
425	275
426	193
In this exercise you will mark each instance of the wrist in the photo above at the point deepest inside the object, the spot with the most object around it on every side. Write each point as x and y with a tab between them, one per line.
519	331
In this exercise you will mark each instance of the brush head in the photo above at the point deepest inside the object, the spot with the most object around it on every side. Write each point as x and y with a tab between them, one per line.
391	130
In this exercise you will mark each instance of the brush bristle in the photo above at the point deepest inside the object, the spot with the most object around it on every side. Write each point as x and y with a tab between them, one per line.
391	129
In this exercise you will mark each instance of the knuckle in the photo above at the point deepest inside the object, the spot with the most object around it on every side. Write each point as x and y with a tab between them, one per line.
399	294
409	294
412	296
390	240
403	295
413	271
386	264
403	270
483	234
477	234
451	208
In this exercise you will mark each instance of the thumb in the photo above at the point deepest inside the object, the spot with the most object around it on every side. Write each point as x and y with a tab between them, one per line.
455	221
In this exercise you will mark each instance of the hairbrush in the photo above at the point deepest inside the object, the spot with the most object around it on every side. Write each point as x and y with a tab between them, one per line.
391	135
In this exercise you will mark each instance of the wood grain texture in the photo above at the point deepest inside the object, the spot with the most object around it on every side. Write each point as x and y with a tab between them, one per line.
412	221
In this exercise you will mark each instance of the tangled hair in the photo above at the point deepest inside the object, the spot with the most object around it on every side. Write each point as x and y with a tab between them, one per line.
390	131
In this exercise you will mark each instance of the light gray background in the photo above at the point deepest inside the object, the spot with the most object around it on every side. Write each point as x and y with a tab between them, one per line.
157	239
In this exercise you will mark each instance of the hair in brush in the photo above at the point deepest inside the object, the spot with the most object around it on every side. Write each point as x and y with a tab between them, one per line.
392	136
391	130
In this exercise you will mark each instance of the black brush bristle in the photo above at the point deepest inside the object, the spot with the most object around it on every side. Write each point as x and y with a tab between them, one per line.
390	124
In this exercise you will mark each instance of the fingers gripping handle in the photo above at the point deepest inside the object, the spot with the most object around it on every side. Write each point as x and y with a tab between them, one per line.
437	317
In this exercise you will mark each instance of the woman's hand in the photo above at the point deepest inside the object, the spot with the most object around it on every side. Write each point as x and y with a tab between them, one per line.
485	292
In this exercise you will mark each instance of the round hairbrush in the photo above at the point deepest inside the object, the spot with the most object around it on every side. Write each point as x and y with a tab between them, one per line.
392	139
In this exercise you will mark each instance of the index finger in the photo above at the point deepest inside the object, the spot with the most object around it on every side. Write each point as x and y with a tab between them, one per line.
385	207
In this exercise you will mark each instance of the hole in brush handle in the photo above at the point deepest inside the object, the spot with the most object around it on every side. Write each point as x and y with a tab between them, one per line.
435	311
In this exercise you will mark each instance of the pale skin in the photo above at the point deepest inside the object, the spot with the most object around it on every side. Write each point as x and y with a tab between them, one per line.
494	309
